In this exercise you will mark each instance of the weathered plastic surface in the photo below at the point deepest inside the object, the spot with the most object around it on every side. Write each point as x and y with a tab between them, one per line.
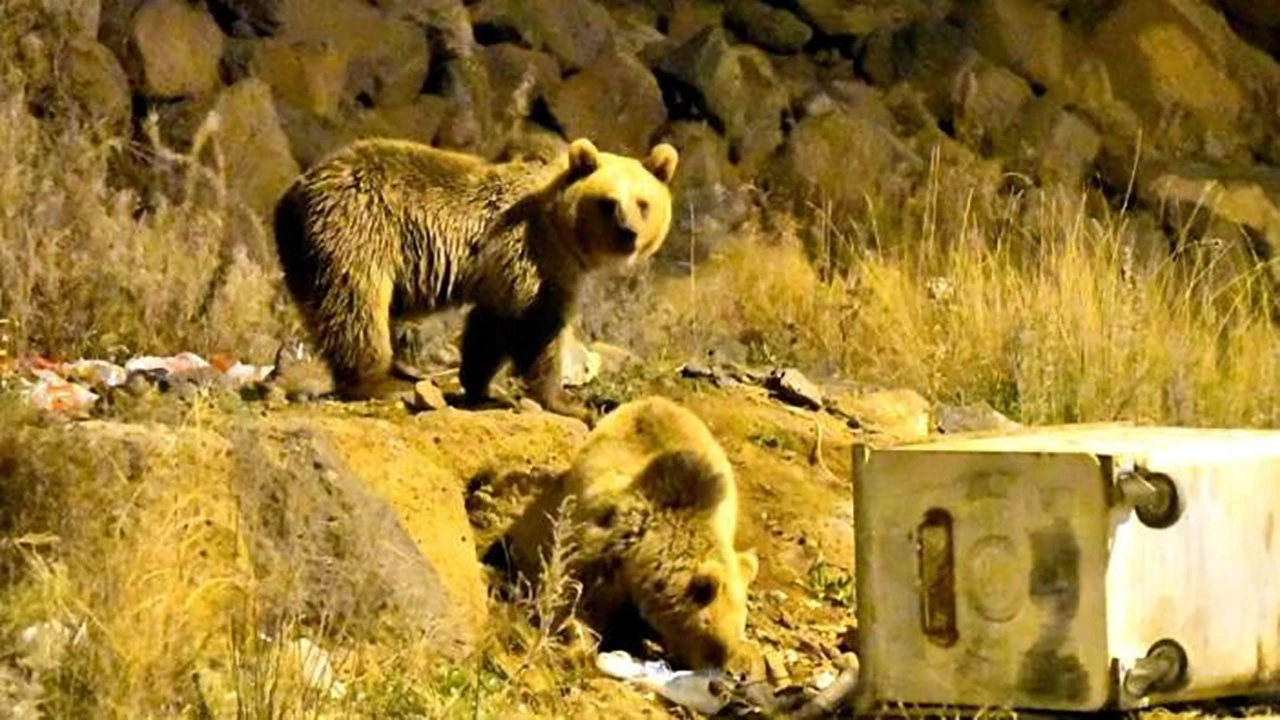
1056	571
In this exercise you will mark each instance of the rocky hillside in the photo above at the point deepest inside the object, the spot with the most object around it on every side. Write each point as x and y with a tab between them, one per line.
1160	104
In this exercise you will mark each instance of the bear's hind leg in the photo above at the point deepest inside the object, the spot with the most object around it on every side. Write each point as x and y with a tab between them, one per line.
540	369
355	337
484	349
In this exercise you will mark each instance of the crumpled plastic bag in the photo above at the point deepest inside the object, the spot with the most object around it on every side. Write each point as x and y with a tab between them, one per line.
94	372
173	365
51	391
701	690
241	374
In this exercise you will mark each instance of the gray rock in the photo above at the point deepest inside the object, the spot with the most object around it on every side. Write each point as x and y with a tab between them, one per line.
772	28
737	85
427	396
575	31
177	48
615	101
793	387
976	417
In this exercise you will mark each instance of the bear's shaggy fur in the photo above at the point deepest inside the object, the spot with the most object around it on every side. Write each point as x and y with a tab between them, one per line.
389	230
652	513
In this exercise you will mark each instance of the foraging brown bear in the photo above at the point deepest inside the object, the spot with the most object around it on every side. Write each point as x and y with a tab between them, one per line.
653	513
387	230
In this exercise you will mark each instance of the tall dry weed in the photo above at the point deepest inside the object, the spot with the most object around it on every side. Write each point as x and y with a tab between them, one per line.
1043	302
92	269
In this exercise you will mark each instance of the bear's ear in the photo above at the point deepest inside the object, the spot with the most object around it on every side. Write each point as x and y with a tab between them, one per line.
584	158
662	162
748	565
681	479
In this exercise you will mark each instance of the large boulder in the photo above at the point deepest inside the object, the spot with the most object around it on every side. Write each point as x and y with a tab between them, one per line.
176	47
772	28
311	137
736	85
246	18
1026	35
1237	200
1198	89
710	200
446	22
255	150
386	58
310	75
615	101
305	520
470	123
989	107
841	17
575	31
691	17
1063	145
836	156
95	78
518	78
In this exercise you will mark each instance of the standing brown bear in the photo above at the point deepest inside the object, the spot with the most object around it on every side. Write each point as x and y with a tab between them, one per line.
385	230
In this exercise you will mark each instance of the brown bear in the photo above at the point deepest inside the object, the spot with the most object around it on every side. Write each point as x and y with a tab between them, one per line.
652	515
383	231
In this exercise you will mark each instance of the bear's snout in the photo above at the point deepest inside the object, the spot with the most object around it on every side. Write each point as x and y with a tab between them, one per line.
626	239
625	236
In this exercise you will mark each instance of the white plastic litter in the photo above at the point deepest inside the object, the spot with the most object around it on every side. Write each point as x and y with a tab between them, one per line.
317	671
579	364
182	362
51	392
692	689
241	374
95	371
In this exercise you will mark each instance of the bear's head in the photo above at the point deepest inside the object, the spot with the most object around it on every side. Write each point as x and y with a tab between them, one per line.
616	208
679	565
690	588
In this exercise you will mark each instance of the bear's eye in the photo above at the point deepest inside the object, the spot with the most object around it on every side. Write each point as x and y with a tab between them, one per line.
643	206
702	590
608	206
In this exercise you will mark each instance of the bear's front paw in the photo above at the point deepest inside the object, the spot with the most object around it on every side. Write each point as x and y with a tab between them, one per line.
571	408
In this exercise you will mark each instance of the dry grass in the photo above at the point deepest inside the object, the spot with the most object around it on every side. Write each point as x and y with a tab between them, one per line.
90	269
1028	300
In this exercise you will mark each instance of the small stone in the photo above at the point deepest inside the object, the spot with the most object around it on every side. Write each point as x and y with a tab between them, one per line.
776	667
976	417
427	396
793	387
695	369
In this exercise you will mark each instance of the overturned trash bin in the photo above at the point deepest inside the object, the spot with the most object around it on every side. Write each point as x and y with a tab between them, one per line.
1072	568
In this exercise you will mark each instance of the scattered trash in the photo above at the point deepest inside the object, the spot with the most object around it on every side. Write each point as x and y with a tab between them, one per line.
51	392
43	644
174	365
833	696
95	372
241	374
704	691
317	671
579	364
70	387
